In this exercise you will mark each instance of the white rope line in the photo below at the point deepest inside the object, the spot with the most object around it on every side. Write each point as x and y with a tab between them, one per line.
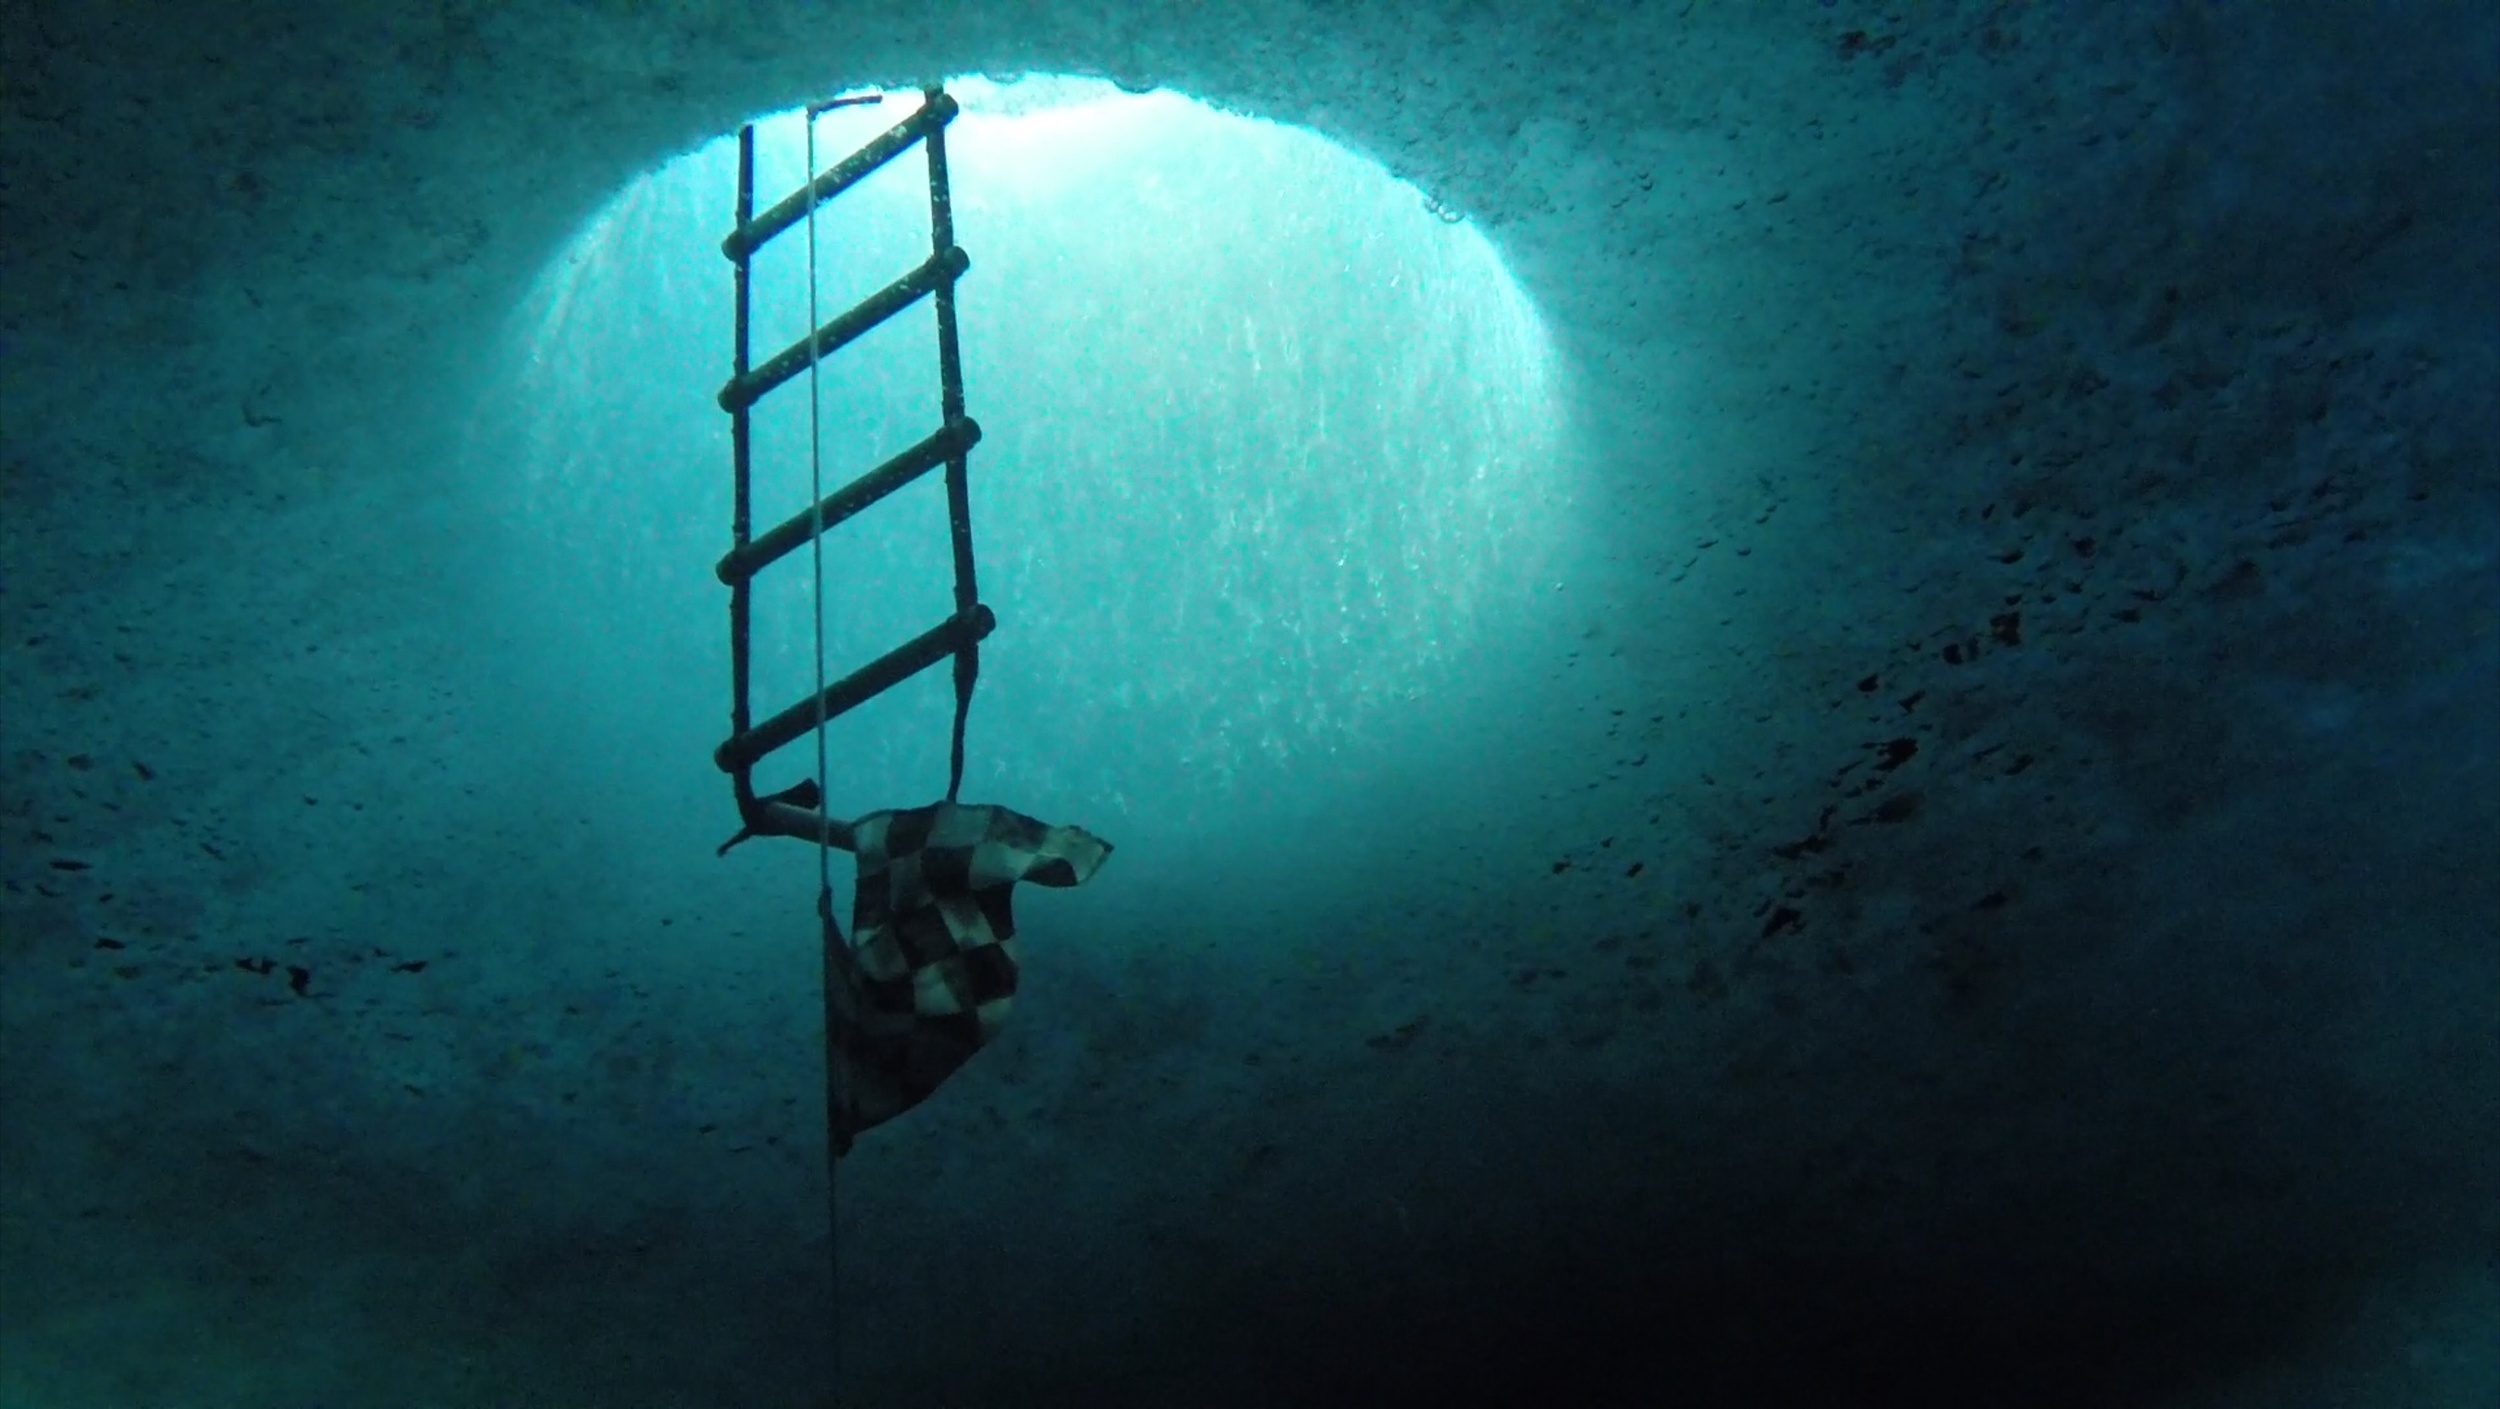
824	793
816	510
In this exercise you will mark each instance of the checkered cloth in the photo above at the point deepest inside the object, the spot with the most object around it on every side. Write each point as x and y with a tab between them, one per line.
930	971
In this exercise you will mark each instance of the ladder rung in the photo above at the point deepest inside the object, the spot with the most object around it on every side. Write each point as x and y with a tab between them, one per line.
840	177
956	633
942	267
747	560
780	819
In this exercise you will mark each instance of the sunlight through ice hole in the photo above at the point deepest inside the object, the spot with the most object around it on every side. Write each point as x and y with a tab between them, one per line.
1272	450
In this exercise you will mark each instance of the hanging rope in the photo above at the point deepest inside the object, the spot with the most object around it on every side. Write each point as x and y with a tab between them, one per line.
951	409
834	1114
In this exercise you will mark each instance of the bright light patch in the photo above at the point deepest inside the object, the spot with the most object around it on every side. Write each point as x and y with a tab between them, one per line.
1270	448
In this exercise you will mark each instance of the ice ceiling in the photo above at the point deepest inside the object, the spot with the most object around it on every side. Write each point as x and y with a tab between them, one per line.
1273	447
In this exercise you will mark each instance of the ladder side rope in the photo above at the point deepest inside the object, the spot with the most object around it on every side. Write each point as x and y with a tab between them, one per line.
741	516
951	410
834	1114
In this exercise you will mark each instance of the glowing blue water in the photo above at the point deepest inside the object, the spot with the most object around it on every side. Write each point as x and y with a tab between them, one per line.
1271	449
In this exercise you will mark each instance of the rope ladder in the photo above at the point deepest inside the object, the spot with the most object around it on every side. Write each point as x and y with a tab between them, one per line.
798	812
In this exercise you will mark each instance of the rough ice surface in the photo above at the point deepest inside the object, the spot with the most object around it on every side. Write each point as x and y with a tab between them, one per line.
1923	835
